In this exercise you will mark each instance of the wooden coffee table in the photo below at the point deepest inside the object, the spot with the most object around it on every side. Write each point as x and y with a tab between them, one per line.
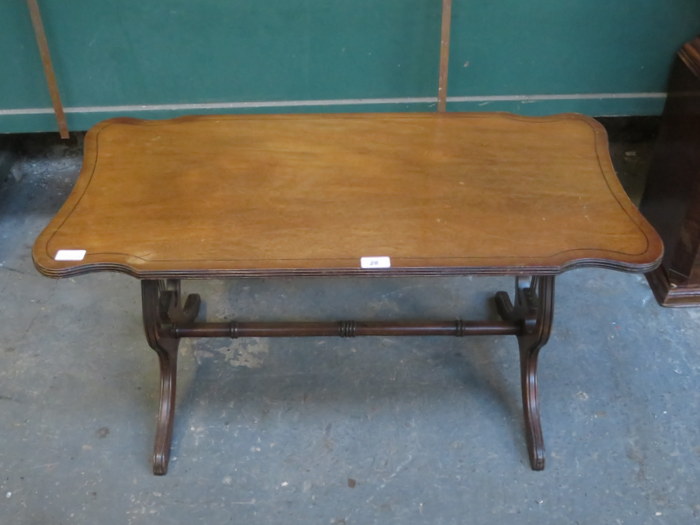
346	195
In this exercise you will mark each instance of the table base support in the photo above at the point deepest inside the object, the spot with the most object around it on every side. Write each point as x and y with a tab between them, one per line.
533	308
161	305
167	319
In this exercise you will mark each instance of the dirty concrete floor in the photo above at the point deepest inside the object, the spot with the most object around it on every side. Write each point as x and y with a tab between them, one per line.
336	431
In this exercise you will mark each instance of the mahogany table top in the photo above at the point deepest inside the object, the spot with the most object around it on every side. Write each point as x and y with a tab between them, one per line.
420	194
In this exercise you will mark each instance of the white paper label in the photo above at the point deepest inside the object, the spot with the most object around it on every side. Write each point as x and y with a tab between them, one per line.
375	262
70	255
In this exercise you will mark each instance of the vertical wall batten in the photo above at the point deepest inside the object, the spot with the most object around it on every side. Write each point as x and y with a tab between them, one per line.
444	54
43	46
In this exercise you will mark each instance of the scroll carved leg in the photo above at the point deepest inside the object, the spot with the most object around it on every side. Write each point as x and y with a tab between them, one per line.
533	309
161	306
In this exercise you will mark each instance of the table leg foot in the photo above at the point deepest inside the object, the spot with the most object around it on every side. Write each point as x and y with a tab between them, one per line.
166	411
533	309
161	305
531	408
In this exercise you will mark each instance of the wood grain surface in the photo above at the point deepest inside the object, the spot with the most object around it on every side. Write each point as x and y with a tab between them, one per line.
262	195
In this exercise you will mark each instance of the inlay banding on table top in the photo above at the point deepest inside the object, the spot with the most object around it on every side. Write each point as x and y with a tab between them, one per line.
227	196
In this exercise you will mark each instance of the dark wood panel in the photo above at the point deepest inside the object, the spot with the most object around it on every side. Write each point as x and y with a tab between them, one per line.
671	200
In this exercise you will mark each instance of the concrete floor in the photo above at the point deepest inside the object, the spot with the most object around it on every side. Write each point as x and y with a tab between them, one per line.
331	431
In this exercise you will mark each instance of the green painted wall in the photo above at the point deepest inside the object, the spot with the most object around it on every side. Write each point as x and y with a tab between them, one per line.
571	49
163	58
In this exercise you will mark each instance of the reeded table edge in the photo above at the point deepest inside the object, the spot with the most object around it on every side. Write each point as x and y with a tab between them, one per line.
349	272
559	263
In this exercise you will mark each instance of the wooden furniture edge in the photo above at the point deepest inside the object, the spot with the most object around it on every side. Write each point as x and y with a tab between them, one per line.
75	270
690	55
669	294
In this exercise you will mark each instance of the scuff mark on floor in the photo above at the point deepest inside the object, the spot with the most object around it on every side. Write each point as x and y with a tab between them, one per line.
249	353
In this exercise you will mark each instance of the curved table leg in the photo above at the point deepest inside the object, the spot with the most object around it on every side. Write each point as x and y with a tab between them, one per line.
533	308
161	306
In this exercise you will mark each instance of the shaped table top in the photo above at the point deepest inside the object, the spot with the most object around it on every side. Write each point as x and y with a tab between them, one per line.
369	194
